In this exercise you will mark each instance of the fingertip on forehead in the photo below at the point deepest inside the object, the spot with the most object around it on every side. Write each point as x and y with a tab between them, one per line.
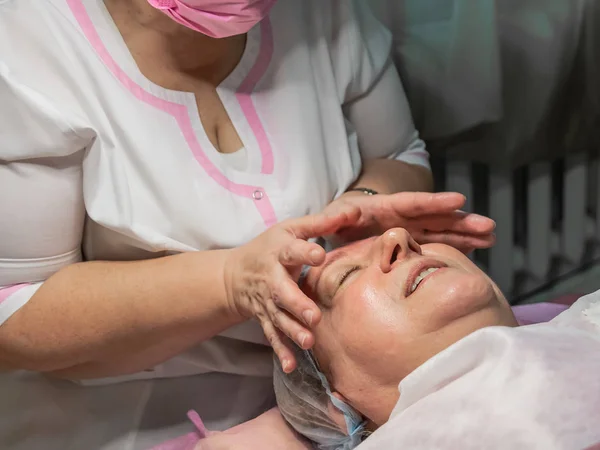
303	283
307	289
350	246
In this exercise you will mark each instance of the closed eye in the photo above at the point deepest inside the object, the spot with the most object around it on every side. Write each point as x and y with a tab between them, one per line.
346	274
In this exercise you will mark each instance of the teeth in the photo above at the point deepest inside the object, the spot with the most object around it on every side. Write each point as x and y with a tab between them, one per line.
420	278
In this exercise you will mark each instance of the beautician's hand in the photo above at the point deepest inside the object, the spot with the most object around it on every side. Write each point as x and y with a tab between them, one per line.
428	217
261	278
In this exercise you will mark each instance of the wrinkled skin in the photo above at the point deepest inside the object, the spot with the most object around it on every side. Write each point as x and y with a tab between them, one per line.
261	276
429	218
373	333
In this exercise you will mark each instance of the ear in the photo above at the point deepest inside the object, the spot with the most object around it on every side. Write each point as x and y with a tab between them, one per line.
335	414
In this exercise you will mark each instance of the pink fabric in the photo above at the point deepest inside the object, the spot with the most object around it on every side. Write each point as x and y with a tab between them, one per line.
544	312
10	290
537	312
245	99
179	112
190	440
216	18
267	431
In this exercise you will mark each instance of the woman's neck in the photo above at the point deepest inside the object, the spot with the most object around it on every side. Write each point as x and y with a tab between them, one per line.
159	44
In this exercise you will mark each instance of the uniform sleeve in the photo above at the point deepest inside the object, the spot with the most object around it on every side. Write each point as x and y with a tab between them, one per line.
373	97
383	123
360	48
41	200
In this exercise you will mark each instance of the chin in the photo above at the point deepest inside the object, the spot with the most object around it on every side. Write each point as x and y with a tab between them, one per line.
470	293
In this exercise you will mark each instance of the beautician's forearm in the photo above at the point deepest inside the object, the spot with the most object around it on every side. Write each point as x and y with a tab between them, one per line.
390	176
130	363
143	312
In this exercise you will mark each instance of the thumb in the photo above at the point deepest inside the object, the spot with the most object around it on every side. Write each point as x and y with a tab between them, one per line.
325	223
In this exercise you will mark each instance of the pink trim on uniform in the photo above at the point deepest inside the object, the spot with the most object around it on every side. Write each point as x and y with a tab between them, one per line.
245	99
10	290
180	113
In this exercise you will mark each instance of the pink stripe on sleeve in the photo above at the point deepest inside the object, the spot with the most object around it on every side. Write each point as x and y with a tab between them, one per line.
10	290
245	99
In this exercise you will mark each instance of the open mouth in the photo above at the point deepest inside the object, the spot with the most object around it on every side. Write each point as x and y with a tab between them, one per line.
420	273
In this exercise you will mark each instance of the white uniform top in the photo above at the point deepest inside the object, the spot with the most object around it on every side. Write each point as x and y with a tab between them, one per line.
95	157
526	388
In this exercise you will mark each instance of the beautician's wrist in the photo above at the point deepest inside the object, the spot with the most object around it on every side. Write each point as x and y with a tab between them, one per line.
212	285
363	190
226	274
359	192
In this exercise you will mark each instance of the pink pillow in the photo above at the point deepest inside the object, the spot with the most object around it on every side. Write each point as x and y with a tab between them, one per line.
537	312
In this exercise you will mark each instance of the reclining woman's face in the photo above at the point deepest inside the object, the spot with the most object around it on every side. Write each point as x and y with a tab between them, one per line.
388	306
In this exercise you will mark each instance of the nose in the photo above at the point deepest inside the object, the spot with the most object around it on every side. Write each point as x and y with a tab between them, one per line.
396	244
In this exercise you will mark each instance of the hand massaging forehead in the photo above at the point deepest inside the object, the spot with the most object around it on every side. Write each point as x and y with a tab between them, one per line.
305	398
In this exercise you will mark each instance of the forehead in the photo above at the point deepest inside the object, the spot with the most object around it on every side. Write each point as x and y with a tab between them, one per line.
350	249
311	274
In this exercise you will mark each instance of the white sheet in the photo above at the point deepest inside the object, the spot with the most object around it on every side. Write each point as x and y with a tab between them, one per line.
533	387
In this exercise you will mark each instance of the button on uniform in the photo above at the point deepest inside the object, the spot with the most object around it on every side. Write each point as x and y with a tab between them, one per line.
258	194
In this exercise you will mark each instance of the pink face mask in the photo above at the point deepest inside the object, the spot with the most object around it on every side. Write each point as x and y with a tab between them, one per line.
216	18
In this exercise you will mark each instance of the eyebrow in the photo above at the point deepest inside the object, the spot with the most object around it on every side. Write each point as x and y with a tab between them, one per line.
335	257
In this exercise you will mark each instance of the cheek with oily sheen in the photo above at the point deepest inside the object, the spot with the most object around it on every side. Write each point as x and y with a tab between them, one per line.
367	320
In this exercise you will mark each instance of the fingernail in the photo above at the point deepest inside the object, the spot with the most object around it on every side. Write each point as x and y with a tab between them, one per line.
302	339
285	364
308	317
483	220
314	255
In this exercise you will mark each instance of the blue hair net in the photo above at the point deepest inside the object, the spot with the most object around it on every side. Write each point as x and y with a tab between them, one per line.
304	398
